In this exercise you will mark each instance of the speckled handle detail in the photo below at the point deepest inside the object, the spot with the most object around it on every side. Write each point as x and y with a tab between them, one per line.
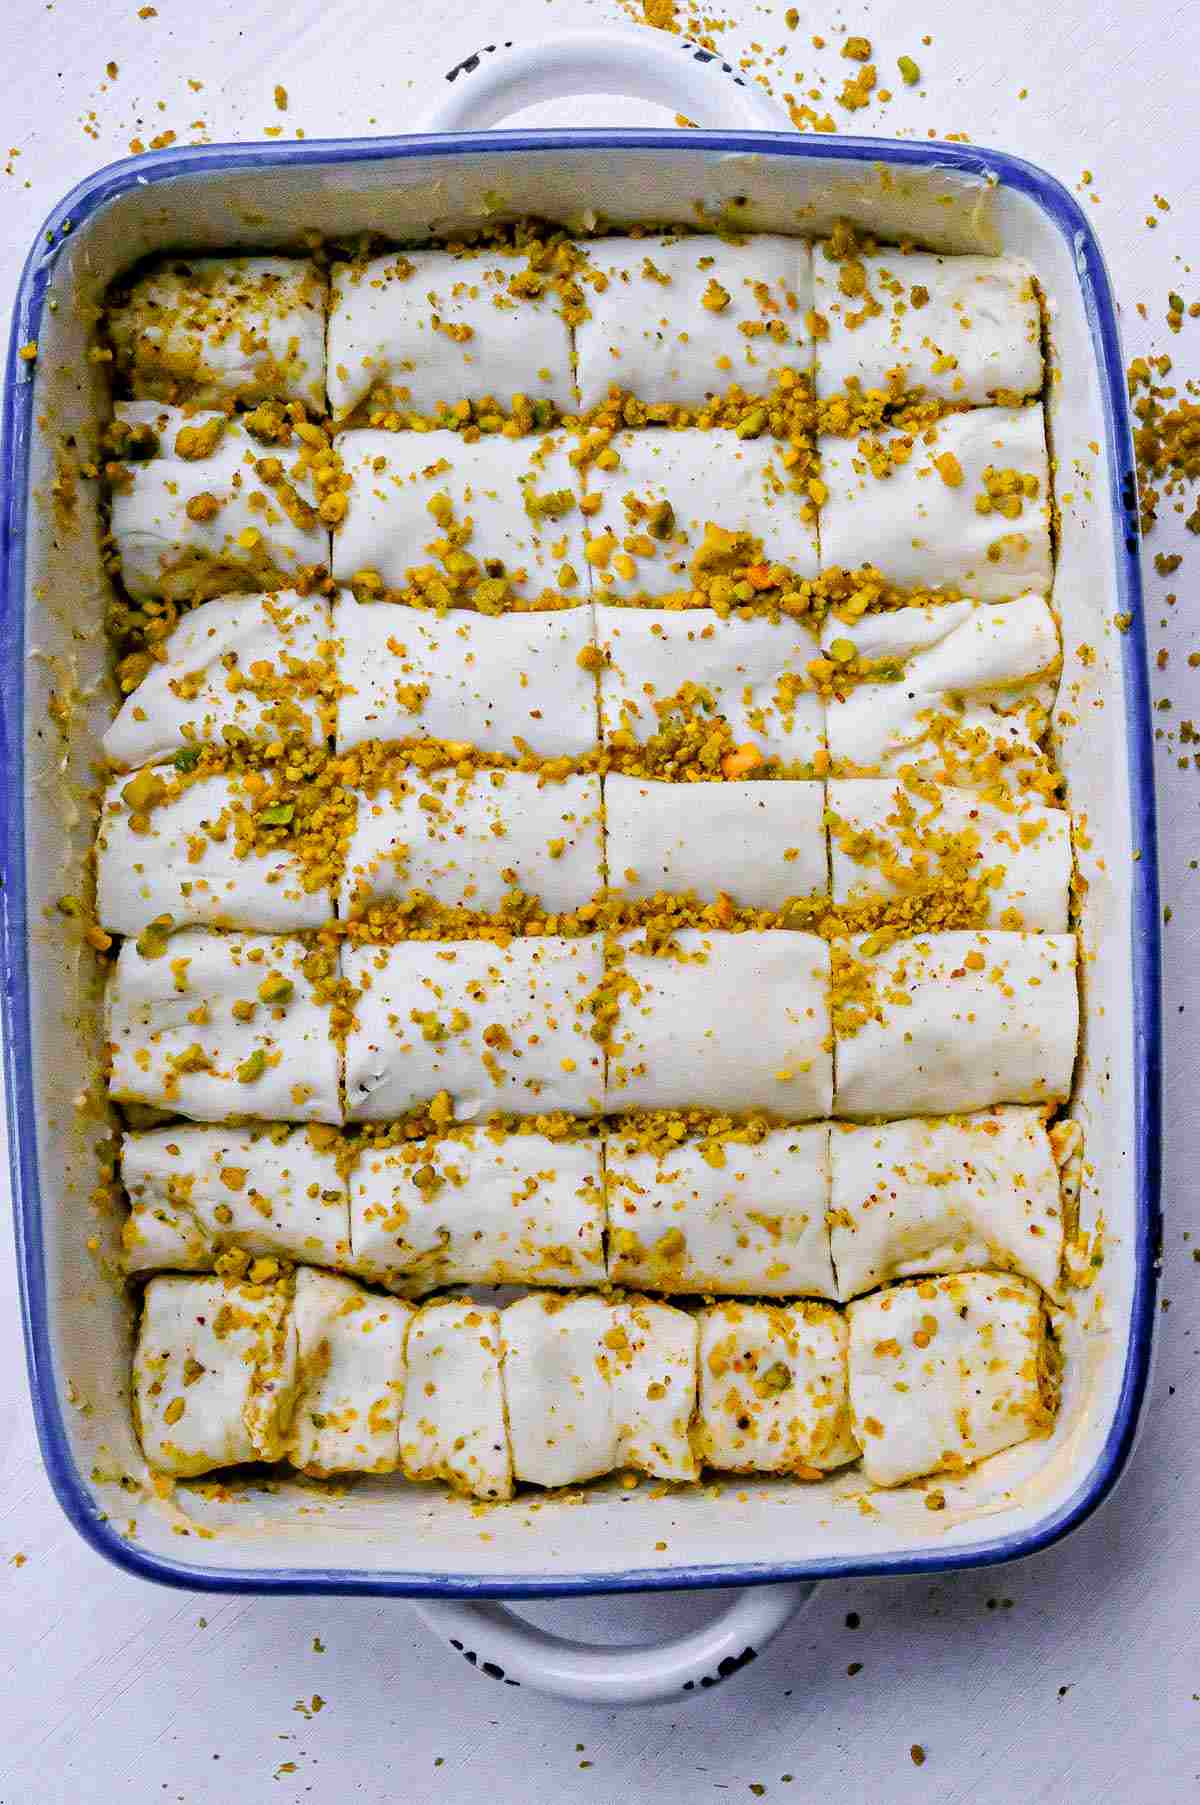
498	1643
504	77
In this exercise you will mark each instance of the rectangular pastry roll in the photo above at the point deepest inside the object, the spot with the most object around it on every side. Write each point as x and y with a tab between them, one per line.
939	1024
452	1426
421	330
212	508
473	842
722	1021
194	851
654	1352
497	1027
773	1390
241	665
219	329
484	522
944	1372
351	1367
215	1026
681	318
214	1373
668	670
1011	859
963	504
960	690
659	493
966	329
478	1207
504	685
723	1217
945	1195
194	1192
562	1418
762	844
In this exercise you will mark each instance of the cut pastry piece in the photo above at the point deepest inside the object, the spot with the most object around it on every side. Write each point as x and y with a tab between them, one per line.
722	1021
475	842
761	844
484	522
938	1024
420	331
214	329
497	1027
958	690
188	850
216	1026
242	665
654	1353
558	1380
683	318
723	1217
668	670
523	681
211	508
913	841
452	1426
478	1207
350	1346
923	1196
962	504
966	329
773	1391
946	1371
214	1373
194	1192
649	537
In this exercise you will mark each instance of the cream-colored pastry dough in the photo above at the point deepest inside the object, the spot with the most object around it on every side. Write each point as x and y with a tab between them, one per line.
730	1217
945	1195
680	319
255	533
250	664
937	1024
773	1389
723	1021
478	1207
190	1029
426	329
944	1372
497	1027
219	329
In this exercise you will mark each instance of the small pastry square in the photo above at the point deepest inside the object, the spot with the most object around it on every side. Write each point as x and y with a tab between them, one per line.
722	1021
217	1026
211	508
684	318
496	1027
773	1390
963	504
944	1372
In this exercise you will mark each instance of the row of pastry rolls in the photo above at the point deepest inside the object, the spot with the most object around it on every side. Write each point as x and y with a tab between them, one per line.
669	318
919	1378
650	517
823	1210
216	1026
289	845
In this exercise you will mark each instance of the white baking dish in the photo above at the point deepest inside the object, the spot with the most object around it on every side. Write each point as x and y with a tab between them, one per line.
417	1542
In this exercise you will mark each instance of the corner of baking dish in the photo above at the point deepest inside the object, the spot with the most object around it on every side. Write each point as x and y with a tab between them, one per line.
995	170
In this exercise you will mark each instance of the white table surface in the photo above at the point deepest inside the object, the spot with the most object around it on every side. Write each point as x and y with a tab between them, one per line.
1070	1677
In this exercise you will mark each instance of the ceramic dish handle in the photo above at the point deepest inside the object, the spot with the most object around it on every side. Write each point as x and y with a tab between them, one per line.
502	78
506	1647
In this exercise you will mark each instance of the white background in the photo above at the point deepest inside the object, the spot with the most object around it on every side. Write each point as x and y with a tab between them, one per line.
113	1690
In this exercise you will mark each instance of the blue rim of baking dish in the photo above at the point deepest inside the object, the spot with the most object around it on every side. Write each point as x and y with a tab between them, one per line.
69	1485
